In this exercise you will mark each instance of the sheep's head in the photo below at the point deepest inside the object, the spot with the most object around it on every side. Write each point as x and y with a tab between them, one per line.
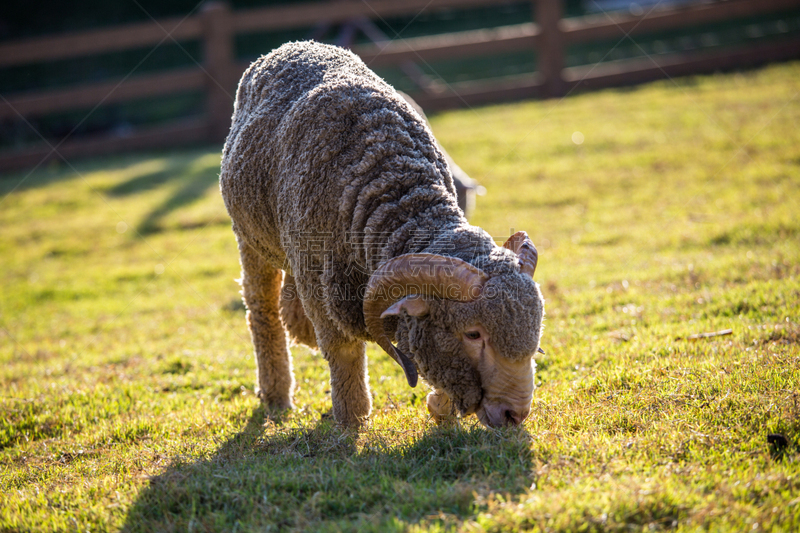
472	336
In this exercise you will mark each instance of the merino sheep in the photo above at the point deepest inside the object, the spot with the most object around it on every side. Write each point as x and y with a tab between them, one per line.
329	175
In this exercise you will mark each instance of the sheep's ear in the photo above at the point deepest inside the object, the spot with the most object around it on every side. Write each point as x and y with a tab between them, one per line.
414	305
521	244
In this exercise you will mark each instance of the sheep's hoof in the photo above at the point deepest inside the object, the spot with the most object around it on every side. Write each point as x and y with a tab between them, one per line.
353	423
273	403
441	408
348	423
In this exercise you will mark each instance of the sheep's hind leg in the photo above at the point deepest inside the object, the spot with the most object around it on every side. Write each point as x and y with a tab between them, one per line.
261	289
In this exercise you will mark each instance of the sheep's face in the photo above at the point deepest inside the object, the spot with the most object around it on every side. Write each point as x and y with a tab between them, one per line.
477	355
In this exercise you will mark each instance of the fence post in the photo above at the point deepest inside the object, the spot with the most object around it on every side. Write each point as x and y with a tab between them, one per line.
551	49
218	62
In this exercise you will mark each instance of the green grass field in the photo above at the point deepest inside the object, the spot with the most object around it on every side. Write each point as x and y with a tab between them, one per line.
127	371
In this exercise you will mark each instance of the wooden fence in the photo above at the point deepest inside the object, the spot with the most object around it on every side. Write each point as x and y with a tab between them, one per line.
216	25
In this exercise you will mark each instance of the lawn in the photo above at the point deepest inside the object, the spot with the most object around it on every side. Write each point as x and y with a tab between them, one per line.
127	372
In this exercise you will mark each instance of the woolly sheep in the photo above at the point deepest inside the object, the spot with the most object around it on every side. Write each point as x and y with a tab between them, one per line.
329	175
466	187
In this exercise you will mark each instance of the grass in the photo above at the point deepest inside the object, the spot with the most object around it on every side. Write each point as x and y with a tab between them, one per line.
127	374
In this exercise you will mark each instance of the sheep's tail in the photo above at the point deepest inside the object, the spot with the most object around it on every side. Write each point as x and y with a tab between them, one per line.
294	316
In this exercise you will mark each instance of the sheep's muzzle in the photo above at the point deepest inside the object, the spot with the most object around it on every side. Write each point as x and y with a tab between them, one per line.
501	415
507	397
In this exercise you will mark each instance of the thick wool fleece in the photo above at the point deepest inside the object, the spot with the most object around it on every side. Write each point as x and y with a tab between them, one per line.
327	172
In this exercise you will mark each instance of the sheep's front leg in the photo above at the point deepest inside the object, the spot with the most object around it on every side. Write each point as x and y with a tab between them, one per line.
441	407
261	288
350	396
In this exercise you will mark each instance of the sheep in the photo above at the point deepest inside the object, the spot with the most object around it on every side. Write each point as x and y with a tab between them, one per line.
331	177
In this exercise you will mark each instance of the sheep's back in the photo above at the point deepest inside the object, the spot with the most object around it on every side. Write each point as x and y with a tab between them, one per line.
322	148
313	118
269	90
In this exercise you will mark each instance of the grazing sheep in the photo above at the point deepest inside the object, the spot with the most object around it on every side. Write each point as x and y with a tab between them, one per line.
329	175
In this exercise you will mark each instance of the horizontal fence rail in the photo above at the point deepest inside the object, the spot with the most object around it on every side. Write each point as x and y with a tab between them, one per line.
611	26
99	41
216	26
452	45
274	18
88	96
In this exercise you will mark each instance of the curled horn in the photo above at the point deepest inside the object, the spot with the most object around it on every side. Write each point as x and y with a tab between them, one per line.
428	274
522	245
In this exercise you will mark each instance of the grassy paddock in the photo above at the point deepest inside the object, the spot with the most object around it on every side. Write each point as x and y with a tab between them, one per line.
127	371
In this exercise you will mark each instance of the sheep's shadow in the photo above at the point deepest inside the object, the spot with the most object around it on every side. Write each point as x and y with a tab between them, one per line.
283	478
56	171
190	177
187	176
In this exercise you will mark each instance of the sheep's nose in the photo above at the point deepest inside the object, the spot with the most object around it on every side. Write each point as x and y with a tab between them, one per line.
501	415
514	418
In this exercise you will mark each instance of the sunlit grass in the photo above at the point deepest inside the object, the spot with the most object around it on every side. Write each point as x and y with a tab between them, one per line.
127	371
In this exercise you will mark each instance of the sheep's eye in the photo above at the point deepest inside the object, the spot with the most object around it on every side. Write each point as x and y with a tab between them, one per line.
473	335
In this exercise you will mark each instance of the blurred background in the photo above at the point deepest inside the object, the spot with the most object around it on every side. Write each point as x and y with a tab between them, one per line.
95	77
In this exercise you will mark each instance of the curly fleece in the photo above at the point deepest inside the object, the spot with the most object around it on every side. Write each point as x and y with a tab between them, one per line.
326	173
